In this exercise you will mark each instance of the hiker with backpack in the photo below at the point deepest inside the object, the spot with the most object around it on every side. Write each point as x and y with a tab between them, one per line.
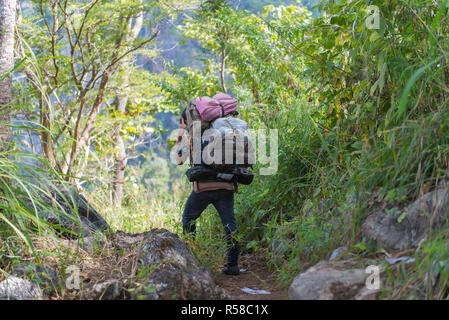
215	182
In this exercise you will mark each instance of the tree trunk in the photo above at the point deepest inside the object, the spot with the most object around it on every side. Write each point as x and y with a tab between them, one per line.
7	25
222	70
120	160
121	101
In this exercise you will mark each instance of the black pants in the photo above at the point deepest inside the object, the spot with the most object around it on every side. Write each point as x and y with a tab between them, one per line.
223	201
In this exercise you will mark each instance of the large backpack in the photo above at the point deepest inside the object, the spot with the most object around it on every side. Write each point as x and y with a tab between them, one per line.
217	113
237	150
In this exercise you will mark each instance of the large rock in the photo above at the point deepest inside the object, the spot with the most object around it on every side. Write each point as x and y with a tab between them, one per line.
173	273
14	288
430	211
328	281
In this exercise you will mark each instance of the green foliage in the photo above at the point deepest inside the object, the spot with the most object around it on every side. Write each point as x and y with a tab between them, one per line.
80	57
24	186
186	83
359	111
155	174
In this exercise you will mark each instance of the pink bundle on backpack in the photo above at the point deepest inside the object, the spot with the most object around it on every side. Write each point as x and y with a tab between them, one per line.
212	108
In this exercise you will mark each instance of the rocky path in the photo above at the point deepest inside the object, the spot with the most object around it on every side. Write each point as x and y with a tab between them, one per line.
157	264
256	276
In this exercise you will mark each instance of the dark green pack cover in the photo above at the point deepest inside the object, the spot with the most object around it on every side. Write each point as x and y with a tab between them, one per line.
203	173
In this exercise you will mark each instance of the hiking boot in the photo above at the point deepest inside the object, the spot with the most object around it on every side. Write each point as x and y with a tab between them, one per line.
233	255
231	271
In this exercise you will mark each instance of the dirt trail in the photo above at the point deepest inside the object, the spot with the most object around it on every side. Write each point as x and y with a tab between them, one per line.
257	277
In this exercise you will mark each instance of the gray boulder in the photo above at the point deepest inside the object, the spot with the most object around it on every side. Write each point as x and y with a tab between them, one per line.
14	288
327	281
173	273
406	228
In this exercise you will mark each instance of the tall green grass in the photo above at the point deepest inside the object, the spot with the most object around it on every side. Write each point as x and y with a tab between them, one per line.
390	144
28	182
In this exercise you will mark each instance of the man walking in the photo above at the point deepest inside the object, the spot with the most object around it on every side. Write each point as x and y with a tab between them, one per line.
221	195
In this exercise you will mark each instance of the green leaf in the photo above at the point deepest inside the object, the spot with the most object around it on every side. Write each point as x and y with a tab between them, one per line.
361	246
402	216
404	98
263	193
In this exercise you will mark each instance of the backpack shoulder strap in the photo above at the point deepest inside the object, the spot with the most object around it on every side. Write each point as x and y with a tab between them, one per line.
189	114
